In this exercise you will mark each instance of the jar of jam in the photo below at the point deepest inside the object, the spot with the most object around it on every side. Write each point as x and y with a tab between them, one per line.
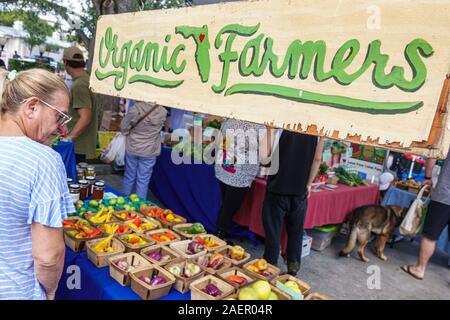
99	190
69	181
80	174
91	181
89	172
74	190
84	193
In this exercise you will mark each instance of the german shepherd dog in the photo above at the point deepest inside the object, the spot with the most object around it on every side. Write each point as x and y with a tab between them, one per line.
377	219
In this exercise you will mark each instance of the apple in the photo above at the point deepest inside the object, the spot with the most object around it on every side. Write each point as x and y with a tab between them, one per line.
113	202
93	204
262	289
273	296
248	294
120	200
134	196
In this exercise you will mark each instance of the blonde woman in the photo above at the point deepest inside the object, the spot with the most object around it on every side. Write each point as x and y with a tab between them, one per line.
34	198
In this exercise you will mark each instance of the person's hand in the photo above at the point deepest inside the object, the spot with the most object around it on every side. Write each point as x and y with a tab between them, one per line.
308	190
428	182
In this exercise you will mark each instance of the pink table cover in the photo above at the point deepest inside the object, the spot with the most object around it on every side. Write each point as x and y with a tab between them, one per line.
325	207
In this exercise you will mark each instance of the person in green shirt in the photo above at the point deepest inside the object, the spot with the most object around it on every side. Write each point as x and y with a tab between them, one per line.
83	128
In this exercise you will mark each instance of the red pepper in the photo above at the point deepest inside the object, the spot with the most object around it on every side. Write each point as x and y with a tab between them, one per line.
171	236
157	237
94	233
137	222
200	240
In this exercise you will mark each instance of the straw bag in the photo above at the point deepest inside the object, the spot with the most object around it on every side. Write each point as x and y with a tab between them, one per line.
412	223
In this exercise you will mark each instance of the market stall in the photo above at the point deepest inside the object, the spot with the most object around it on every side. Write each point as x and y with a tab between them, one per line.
67	152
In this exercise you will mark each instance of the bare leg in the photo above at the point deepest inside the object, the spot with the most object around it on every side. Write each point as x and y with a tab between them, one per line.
427	247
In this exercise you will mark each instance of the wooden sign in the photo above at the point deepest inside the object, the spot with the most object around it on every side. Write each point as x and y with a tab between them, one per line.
370	72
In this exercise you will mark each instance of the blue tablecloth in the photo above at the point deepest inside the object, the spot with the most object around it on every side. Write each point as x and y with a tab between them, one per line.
67	152
403	198
95	283
192	191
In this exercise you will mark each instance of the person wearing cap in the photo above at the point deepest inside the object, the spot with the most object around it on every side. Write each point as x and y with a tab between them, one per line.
385	182
83	130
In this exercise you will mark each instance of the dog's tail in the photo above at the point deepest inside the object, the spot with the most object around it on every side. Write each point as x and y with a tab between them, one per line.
351	240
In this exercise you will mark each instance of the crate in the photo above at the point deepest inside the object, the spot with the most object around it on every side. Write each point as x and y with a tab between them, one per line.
184	236
73	219
280	294
78	245
303	286
135	248
161	231
226	264
320	240
115	222
235	271
197	286
117	215
317	296
146	212
156	223
180	247
220	243
226	251
181	283
102	259
147	292
273	270
88	217
122	276
160	248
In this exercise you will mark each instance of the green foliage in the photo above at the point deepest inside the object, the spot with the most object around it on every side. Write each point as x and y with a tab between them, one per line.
8	17
36	28
20	65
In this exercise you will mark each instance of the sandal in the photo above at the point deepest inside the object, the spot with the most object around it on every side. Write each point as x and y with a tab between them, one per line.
407	269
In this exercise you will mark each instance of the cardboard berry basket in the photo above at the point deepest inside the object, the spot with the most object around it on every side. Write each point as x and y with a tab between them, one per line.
78	244
154	222
181	247
145	290
317	296
102	259
220	243
164	250
226	251
271	269
303	286
226	264
182	283
280	294
235	271
197	287
100	226
135	248
178	228
122	276
157	232
118	214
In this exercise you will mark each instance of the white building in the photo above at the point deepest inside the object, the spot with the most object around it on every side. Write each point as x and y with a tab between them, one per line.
13	39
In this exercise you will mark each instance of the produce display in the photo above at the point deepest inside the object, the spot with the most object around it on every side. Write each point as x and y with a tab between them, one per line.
260	267
103	215
127	215
163	237
212	290
260	290
82	230
168	216
154	280
236	253
195	247
104	246
152	211
74	224
207	242
213	262
159	256
133	240
185	270
125	266
196	228
293	286
114	228
140	225
350	179
239	280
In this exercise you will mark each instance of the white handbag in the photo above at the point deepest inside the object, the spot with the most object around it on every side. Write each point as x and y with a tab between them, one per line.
411	224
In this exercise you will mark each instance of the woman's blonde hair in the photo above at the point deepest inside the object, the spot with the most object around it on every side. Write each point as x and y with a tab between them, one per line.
38	83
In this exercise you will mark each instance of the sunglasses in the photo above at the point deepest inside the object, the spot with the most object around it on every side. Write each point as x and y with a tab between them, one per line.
63	118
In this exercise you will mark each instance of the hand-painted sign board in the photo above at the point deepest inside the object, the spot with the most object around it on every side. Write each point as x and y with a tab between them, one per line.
370	72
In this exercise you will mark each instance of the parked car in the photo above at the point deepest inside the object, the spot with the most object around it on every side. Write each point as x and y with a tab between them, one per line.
45	59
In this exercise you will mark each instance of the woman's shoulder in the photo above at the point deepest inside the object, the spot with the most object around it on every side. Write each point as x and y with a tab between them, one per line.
39	153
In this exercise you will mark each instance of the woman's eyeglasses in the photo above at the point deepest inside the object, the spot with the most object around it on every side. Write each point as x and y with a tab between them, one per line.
63	118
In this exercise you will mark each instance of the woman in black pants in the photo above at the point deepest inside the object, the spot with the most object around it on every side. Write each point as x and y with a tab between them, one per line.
237	164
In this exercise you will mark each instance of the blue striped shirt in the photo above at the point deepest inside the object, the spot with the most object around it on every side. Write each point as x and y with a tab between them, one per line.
33	188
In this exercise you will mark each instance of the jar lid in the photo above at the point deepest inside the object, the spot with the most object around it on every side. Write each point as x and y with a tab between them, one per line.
74	186
82	165
83	182
69	179
90	167
99	184
89	178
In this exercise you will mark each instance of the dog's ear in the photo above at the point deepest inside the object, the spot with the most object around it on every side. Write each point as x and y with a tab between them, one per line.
398	211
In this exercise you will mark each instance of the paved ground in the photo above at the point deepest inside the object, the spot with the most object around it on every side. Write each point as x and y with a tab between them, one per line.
347	278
